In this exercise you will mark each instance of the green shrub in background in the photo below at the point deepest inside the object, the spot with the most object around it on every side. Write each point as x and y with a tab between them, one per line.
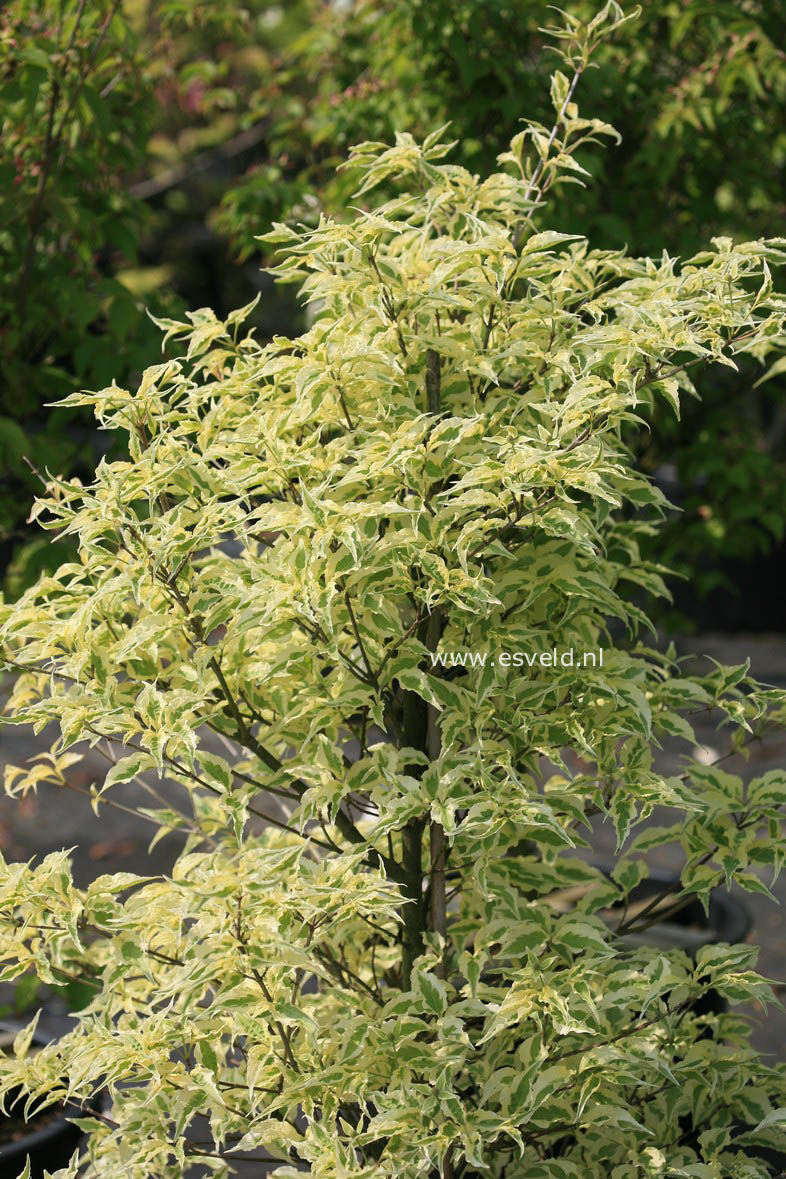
207	62
75	116
373	980
682	84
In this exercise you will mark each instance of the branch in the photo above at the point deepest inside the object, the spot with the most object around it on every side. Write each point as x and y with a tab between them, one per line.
433	381
363	652
511	527
156	185
534	182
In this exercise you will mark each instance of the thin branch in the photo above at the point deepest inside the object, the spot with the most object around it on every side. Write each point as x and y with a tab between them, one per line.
363	652
154	186
343	402
511	527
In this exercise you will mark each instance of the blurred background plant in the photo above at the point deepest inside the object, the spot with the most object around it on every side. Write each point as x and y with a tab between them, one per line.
76	115
23	996
147	144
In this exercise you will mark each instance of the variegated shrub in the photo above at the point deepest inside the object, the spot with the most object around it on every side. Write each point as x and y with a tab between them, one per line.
357	962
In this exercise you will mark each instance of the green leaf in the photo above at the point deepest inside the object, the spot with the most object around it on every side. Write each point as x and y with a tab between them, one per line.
582	934
217	770
126	769
433	991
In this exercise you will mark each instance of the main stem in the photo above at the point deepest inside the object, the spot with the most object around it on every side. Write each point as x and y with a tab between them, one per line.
434	625
420	730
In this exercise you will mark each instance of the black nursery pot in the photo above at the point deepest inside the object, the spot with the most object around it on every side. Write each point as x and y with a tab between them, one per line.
728	920
49	1142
